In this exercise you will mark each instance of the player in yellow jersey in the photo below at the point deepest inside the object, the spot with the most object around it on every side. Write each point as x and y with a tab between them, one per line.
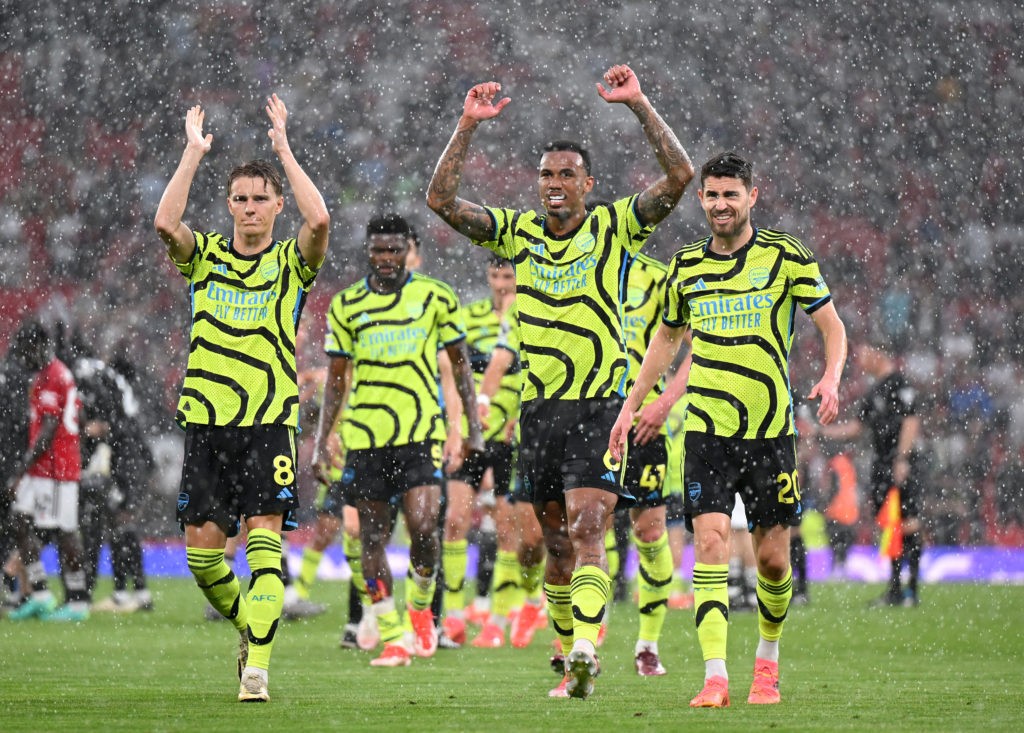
570	272
736	291
239	403
389	327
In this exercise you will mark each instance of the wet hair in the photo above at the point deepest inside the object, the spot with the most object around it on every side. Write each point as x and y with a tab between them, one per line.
389	223
496	260
30	338
728	165
556	146
258	168
414	239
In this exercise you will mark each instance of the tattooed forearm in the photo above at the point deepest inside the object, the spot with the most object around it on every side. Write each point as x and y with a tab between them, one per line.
659	199
442	193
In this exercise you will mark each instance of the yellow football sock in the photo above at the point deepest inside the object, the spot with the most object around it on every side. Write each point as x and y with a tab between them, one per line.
559	601
590	588
711	608
307	573
506	592
532	580
773	604
353	548
454	558
266	594
654	585
419	590
218	583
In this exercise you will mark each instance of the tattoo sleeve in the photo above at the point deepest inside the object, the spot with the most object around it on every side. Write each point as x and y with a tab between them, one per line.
464	216
658	200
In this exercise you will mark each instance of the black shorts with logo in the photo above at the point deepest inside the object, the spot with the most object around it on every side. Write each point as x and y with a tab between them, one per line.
645	471
385	474
564	445
499	457
235	472
762	471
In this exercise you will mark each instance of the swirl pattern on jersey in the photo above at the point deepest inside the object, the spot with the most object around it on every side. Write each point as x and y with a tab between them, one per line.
245	314
569	294
740	308
393	339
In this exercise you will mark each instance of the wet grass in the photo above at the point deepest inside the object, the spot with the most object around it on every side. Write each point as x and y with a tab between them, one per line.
953	664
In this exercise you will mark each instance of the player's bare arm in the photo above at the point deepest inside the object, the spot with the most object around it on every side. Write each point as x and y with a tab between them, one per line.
452	413
459	355
175	234
312	238
653	416
657	200
501	361
335	391
833	333
464	216
660	353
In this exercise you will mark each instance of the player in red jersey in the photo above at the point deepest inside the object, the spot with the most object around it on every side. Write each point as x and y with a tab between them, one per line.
45	483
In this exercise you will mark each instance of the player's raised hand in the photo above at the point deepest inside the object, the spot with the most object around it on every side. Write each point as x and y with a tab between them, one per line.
278	115
194	129
480	104
623	86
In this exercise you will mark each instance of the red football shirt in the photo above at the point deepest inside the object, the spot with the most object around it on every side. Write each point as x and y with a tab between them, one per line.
53	393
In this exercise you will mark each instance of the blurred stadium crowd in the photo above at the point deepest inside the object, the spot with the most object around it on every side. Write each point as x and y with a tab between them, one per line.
886	136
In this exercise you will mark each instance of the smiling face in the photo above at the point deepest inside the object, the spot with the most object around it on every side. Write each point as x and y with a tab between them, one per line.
254	205
727	203
563	184
388	254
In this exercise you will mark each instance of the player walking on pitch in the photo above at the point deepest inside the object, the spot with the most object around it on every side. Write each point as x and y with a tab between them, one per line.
737	291
239	405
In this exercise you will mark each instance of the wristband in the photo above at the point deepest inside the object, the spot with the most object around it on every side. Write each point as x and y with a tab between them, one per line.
482	399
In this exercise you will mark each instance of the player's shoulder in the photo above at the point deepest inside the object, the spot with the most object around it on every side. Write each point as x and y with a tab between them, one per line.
213	240
480	308
420	281
777	238
56	373
648	262
689	253
357	288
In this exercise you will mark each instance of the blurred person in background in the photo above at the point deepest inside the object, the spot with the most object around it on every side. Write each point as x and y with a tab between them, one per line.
45	482
16	373
116	466
888	414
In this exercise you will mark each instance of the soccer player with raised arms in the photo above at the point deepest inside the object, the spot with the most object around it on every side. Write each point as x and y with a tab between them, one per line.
736	293
239	404
570	268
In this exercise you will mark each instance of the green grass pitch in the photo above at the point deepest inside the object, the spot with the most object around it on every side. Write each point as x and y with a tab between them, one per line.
956	663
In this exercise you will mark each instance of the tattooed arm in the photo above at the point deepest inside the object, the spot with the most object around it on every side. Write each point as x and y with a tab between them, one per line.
464	216
657	200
